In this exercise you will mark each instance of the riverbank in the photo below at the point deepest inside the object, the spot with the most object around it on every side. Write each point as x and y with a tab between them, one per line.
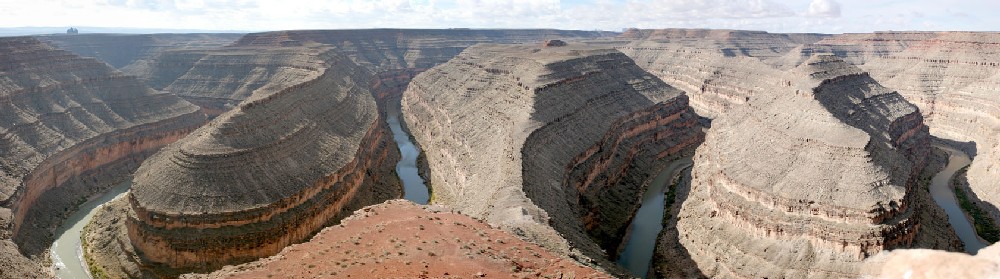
942	191
67	250
984	225
648	221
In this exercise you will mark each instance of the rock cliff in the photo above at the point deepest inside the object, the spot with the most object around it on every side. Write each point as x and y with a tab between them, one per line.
271	172
69	128
953	77
553	144
809	178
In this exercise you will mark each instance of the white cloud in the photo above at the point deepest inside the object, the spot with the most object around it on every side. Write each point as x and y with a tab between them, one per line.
260	15
824	8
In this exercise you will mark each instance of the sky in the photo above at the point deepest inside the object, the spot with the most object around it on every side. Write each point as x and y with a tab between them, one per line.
822	16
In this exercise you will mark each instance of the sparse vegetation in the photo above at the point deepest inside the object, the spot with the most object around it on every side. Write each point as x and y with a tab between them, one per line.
985	227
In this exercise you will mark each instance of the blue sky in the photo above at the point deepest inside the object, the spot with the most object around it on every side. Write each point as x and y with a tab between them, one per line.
827	16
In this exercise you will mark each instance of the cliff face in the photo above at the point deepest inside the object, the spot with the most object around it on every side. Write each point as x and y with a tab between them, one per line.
536	139
131	52
399	239
953	77
808	179
269	173
71	127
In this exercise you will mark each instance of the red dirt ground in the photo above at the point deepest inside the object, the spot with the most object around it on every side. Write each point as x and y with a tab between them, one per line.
399	239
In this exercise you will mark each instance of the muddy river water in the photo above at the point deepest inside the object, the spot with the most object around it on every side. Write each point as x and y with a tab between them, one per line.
944	196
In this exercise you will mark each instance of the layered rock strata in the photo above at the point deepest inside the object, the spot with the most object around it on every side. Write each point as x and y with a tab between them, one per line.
219	79
269	173
131	52
399	239
808	179
553	144
953	78
385	49
69	128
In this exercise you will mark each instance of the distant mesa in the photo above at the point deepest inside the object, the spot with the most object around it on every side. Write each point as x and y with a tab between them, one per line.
72	30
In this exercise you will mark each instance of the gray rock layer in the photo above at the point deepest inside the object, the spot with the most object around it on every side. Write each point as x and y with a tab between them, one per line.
550	143
69	128
267	174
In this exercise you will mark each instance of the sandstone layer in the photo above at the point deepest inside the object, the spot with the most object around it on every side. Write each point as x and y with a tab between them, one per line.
953	78
399	239
720	69
267	174
808	178
554	144
69	128
926	263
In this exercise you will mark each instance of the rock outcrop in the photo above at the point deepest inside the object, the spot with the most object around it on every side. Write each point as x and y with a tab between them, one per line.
267	174
925	263
399	239
808	178
553	144
69	128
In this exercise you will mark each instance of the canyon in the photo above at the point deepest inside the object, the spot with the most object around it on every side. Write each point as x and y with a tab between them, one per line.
495	123
812	153
71	127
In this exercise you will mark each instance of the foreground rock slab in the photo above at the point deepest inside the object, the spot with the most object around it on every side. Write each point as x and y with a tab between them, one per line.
399	239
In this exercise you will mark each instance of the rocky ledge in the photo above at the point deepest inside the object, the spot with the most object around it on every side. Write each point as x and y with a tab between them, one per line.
398	239
70	127
553	144
808	179
267	174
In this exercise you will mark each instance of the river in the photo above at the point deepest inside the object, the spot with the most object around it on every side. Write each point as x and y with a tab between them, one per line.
944	196
413	185
67	252
648	221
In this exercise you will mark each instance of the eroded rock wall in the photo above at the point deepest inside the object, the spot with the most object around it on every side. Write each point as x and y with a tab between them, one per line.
532	139
807	180
269	173
70	128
